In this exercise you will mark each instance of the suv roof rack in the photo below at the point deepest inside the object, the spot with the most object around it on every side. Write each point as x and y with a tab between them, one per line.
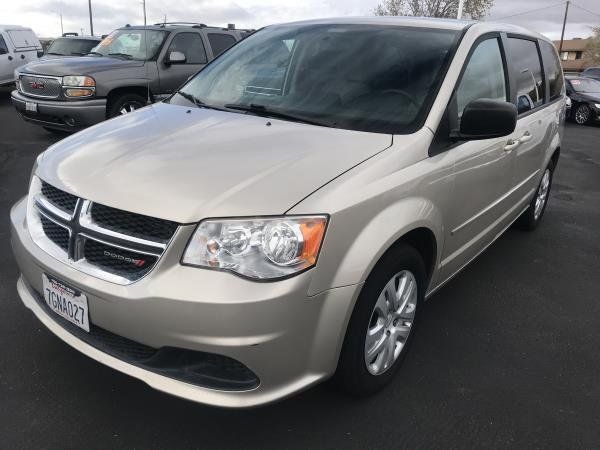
191	24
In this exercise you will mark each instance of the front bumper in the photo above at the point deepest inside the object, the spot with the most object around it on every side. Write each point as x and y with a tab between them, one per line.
288	339
60	115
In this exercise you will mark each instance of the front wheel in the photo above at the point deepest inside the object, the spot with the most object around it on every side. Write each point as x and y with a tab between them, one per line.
383	322
582	114
126	104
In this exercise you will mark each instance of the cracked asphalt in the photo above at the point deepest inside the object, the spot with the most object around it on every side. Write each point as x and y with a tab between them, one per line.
507	354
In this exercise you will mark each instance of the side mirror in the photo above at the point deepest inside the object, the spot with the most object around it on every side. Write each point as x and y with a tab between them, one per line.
176	58
3	51
40	53
486	119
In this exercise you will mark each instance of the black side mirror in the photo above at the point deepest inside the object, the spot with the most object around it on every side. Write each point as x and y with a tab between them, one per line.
3	51
40	53
486	119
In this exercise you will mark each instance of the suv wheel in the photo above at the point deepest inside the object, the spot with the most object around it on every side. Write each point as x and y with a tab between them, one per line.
126	103
383	322
582	114
532	217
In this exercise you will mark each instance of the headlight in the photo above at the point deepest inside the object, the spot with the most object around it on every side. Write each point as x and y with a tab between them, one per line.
261	248
78	81
597	105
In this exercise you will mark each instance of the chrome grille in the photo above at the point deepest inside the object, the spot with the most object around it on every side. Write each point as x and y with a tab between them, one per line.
38	86
115	245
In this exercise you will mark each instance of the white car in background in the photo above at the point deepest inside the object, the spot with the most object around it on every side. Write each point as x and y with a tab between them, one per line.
18	46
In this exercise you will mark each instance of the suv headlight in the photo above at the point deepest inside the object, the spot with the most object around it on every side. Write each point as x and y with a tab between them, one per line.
261	248
78	86
597	105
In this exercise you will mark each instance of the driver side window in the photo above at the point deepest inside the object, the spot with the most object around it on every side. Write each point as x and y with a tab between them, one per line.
483	77
190	44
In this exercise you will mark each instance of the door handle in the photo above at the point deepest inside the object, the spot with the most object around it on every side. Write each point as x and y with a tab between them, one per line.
526	137
511	144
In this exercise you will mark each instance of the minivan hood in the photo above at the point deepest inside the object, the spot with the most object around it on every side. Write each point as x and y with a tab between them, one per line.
185	164
83	65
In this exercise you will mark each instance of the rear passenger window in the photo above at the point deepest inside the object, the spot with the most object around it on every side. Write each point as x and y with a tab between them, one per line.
220	42
3	47
524	57
553	69
190	44
483	77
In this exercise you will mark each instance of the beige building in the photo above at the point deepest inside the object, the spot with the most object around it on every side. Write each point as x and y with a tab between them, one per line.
571	55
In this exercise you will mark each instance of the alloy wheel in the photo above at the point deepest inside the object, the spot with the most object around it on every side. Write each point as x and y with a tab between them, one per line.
129	107
391	322
582	115
542	195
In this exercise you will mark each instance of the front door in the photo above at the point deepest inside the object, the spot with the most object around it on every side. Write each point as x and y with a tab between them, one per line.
173	75
483	168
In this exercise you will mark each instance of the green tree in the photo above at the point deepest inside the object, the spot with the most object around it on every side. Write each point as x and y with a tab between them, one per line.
475	9
592	49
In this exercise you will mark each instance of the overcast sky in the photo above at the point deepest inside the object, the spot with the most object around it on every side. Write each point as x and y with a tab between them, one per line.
42	15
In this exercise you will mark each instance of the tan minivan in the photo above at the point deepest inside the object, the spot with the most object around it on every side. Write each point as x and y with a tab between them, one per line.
280	218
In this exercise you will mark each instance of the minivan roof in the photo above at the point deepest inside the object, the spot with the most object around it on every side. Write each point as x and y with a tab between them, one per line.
14	28
425	22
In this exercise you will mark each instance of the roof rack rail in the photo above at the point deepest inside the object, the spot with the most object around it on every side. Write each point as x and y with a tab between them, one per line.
192	24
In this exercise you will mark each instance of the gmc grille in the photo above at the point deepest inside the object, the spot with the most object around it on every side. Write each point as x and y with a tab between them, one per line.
40	86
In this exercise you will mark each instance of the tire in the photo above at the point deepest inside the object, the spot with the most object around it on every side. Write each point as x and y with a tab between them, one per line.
532	217
355	375
125	104
582	114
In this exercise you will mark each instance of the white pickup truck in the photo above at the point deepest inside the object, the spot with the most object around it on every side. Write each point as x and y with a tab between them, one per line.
18	46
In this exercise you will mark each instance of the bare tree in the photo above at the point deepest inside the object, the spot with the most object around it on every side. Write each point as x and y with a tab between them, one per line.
475	9
592	49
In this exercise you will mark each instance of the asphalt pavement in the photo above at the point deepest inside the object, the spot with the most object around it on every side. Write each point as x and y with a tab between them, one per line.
507	354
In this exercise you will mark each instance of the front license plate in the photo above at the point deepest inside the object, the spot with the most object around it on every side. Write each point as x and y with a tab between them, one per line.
31	107
66	301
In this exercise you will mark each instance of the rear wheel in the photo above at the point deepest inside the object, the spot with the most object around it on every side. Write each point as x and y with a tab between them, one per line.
582	114
383	322
125	104
532	217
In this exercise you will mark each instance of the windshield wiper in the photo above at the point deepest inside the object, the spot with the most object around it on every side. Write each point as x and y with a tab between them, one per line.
54	53
123	55
262	110
196	101
95	53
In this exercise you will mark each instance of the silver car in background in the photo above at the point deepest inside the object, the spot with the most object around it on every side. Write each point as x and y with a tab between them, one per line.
281	218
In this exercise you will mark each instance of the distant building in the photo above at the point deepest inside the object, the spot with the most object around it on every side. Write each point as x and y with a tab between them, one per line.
571	55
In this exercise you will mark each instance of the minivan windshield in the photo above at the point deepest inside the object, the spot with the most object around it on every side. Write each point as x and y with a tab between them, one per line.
585	85
131	44
354	76
71	46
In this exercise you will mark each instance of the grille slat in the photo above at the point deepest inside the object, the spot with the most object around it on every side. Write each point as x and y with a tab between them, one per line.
40	86
128	255
57	234
136	225
58	198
